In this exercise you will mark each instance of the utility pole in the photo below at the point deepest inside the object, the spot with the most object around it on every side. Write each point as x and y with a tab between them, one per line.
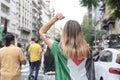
94	25
95	35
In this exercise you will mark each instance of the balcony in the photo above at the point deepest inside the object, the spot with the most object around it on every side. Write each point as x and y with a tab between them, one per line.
111	21
24	29
39	7
34	3
102	8
105	26
5	9
39	1
7	1
39	18
33	21
107	22
22	40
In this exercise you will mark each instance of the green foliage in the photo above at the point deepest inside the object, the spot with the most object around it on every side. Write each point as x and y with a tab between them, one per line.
89	33
115	6
89	3
116	14
99	34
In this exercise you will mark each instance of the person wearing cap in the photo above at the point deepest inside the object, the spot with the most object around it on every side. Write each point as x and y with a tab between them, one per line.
10	59
35	50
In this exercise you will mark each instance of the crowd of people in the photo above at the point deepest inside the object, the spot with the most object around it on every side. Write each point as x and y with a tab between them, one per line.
68	56
12	57
70	51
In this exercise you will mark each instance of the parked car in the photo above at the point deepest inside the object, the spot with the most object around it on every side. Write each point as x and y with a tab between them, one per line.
106	67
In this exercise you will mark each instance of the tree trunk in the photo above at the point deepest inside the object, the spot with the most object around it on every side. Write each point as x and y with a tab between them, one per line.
90	16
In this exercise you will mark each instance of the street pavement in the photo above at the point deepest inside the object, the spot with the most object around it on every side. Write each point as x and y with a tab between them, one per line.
41	76
25	72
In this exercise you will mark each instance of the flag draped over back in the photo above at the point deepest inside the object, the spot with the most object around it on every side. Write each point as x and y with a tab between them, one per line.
69	69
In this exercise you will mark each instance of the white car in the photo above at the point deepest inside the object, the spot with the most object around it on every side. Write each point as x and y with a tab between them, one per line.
106	67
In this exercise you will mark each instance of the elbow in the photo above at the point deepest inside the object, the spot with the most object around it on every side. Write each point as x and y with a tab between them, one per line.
40	32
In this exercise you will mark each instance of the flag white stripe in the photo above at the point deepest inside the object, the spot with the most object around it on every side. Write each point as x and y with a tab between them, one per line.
77	72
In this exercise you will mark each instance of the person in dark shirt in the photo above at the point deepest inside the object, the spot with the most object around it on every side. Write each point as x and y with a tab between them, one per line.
49	59
1	44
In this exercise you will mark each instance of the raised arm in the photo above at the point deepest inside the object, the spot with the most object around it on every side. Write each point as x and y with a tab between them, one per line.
43	30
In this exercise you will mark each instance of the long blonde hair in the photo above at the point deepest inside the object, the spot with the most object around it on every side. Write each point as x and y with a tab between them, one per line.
73	40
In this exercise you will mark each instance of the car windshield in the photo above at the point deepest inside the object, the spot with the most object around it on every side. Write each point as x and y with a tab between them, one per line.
106	56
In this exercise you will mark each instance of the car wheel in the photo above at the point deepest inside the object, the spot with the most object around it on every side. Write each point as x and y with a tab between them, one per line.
101	78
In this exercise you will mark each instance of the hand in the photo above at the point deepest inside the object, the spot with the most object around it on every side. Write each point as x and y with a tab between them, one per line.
59	16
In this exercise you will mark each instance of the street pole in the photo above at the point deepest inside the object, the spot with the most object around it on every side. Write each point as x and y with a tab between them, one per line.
95	35
94	25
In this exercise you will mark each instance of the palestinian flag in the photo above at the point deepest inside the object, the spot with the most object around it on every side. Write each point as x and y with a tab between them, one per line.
71	69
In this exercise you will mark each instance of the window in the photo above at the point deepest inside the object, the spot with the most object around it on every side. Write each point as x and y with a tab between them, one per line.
8	1
2	20
13	1
4	8
106	56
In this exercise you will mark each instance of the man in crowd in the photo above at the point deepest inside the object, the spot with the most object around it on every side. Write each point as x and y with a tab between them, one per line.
10	59
28	54
35	50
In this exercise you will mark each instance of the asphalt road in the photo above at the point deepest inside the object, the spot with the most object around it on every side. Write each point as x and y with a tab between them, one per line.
25	72
41	76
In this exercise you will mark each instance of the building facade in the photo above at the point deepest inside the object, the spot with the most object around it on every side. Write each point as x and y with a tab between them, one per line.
111	26
9	17
47	13
25	21
23	18
36	18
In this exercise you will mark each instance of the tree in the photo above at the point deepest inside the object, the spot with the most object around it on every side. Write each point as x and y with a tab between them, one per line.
89	4
99	34
89	34
115	6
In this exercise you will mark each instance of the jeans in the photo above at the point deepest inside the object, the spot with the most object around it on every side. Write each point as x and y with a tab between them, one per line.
35	66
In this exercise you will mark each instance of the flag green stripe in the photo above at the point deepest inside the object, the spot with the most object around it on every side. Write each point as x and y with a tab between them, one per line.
62	71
